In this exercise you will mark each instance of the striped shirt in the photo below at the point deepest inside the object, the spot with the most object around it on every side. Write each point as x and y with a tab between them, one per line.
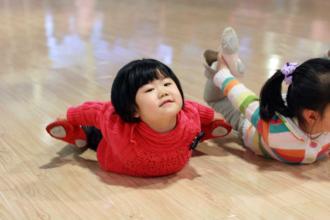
280	138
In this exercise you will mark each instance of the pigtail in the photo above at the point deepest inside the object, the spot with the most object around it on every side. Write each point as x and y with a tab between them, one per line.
271	100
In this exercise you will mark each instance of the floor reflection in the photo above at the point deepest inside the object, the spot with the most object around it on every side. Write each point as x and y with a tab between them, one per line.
95	38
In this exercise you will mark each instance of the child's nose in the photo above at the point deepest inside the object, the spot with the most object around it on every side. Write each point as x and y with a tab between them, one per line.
163	93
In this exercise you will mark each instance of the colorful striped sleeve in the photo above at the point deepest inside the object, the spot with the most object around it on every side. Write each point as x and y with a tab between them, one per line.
241	97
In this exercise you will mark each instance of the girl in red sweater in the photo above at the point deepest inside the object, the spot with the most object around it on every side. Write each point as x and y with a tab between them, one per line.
147	129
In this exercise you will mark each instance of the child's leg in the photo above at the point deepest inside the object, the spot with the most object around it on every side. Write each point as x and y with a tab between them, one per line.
229	51
229	48
232	115
212	94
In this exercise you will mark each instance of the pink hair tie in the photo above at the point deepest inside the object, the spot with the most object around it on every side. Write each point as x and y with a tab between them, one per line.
287	71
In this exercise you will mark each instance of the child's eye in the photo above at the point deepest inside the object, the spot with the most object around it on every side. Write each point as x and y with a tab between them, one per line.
149	90
167	84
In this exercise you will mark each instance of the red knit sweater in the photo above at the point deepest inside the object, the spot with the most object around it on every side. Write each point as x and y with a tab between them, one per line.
134	148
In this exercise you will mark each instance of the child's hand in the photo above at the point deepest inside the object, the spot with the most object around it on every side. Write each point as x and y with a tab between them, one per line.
217	128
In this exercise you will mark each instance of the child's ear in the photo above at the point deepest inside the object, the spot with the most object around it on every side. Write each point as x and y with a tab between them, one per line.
311	116
136	113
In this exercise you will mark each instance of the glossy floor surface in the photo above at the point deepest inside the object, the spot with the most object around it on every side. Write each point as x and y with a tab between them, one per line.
58	53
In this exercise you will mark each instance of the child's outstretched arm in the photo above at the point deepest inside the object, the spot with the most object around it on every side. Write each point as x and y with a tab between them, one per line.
213	123
217	128
86	114
69	128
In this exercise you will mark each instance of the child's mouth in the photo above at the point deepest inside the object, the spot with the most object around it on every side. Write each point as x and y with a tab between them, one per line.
165	102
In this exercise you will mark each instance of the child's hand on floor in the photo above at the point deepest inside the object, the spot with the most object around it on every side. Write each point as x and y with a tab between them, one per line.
73	134
217	128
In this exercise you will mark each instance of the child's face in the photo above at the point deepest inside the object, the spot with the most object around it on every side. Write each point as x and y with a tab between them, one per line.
325	120
158	100
320	124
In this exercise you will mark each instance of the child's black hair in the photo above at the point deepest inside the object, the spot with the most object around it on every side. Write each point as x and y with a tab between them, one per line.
130	78
310	89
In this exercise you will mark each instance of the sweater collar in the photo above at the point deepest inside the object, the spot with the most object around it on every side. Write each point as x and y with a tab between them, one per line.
172	136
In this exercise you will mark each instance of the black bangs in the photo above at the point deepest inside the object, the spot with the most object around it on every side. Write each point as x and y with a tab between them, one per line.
143	76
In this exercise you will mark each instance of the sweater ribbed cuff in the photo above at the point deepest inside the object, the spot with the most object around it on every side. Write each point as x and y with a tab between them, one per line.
73	116
206	114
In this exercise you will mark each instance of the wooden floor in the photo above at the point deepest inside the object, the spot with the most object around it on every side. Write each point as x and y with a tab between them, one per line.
59	53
